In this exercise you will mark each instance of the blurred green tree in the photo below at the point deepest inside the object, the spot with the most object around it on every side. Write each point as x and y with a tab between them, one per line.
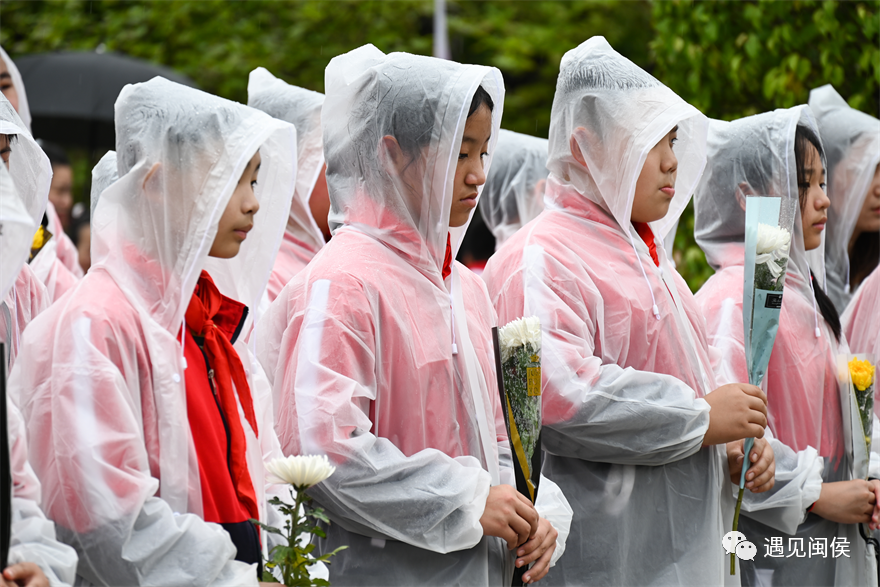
216	43
734	59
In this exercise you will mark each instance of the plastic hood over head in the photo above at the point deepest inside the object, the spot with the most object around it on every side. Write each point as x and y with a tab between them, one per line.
852	147
24	110
617	113
103	175
29	166
180	154
16	232
423	103
752	155
302	109
514	192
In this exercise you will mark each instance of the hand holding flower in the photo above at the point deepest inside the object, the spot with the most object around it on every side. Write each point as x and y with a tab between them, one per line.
761	476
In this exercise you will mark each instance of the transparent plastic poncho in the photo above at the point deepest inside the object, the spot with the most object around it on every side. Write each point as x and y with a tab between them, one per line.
852	148
33	536
624	360
180	153
377	360
301	108
750	156
24	109
104	173
31	174
514	190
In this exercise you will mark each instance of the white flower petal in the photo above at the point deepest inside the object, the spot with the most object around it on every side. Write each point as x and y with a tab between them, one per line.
517	333
299	470
773	238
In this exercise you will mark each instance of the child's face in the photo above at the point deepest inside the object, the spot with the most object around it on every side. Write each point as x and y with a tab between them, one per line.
6	85
814	212
61	191
869	217
656	184
238	218
469	174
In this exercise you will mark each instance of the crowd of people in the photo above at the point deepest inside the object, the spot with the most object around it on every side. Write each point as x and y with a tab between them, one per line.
278	278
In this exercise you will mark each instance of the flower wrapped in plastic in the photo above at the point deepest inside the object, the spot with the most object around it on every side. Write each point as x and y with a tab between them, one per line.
291	561
862	374
518	363
857	377
769	223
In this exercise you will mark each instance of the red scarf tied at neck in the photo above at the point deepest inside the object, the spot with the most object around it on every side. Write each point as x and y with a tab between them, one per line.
204	306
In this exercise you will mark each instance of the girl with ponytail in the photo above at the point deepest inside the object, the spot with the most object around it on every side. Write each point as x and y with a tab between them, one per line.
779	154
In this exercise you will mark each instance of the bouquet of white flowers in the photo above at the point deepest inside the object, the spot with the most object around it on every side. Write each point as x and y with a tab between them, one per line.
518	367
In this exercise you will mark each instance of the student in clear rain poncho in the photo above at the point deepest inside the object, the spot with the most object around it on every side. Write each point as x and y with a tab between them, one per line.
380	350
301	108
627	373
35	553
57	265
138	436
779	154
514	191
852	240
31	174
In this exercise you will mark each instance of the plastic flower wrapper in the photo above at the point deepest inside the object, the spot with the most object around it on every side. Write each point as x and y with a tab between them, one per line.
518	364
769	223
292	561
858	378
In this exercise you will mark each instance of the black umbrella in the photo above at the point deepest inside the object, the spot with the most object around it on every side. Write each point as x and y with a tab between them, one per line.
71	95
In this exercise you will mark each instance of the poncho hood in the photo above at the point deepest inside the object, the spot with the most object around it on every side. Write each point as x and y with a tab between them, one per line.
423	103
617	113
24	109
180	154
514	192
852	147
301	108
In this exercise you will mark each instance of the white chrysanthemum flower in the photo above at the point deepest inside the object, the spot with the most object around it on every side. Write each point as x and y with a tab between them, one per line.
301	471
773	238
517	333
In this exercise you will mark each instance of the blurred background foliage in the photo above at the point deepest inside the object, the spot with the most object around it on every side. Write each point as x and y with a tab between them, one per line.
729	59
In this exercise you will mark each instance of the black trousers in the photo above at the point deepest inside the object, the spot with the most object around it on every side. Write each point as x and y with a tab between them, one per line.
247	541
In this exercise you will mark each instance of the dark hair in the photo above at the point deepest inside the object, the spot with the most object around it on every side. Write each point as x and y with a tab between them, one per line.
481	96
863	259
56	154
802	136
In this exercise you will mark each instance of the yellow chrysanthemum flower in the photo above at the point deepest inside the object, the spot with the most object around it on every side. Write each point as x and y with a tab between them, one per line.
862	373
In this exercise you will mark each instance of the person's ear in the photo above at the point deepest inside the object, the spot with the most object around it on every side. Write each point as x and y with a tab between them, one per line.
151	179
391	156
743	191
580	136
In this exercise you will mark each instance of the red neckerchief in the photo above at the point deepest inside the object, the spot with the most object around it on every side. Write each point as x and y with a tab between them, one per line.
647	235
204	306
447	260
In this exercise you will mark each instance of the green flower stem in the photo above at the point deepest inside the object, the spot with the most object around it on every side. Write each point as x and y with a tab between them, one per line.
739	501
